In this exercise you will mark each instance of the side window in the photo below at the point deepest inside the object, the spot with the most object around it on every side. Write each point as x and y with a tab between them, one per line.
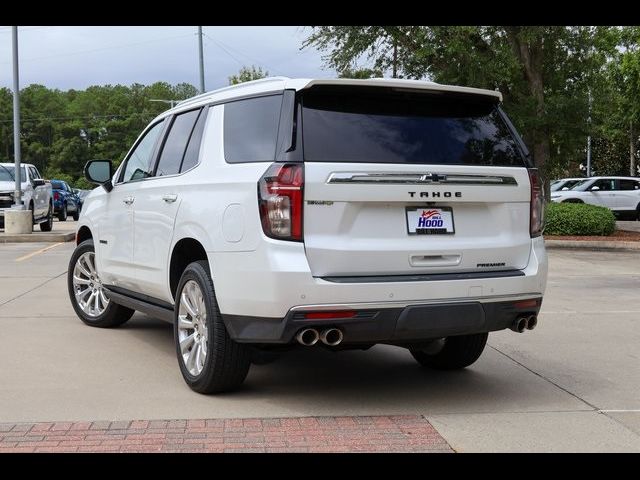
193	149
251	129
629	185
175	144
34	173
140	162
605	185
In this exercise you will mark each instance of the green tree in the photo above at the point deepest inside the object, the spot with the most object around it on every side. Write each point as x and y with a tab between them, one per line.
544	73
247	74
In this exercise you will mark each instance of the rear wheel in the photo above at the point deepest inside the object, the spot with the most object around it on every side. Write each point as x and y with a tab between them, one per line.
210	361
88	297
62	216
76	214
452	353
48	225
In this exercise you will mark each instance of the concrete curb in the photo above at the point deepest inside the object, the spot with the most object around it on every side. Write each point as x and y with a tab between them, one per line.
592	244
38	237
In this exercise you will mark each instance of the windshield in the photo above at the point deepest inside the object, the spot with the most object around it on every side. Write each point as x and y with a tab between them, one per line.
8	173
394	126
582	185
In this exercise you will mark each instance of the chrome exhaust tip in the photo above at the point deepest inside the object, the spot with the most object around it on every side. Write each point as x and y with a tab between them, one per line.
332	337
532	322
308	337
520	324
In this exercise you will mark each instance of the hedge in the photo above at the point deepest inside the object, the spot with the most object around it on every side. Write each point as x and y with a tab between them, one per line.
578	219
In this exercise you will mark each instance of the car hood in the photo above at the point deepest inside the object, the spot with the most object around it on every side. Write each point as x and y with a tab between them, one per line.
9	186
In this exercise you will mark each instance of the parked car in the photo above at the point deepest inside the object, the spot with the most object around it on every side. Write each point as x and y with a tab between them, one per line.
82	194
620	194
36	194
65	200
342	213
564	183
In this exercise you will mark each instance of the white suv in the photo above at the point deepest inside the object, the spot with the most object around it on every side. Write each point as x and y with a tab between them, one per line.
619	194
342	213
36	194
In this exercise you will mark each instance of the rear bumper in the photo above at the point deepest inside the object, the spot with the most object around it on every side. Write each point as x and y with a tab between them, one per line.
389	322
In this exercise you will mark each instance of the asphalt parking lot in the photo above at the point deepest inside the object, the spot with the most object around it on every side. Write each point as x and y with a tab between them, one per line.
573	384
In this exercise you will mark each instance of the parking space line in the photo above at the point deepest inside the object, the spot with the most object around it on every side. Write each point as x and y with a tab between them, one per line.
37	252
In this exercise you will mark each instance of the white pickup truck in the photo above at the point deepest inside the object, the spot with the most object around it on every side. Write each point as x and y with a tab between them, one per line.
36	194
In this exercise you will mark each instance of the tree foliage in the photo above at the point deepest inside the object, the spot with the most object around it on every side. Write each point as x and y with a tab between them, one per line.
61	131
545	74
247	74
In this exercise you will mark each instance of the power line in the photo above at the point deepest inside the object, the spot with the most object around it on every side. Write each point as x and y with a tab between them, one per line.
82	52
226	48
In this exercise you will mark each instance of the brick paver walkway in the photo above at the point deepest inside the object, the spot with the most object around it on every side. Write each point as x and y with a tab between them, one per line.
311	434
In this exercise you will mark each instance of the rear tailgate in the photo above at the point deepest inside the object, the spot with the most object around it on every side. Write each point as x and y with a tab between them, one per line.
402	182
361	226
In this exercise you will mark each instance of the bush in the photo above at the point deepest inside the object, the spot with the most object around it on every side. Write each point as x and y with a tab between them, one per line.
578	219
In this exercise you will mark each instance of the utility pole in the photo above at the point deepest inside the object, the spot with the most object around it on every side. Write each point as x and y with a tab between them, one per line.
201	60
16	122
589	139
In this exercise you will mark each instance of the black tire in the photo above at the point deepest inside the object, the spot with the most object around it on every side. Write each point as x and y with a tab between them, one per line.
33	217
76	215
48	225
226	363
638	212
113	315
62	214
456	353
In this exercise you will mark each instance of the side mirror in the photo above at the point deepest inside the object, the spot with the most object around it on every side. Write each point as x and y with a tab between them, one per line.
595	188
565	188
38	182
99	172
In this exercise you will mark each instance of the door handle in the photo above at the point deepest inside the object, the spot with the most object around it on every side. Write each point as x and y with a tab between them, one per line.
129	200
169	198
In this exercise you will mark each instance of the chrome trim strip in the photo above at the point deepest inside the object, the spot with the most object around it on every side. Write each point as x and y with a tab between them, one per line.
402	304
420	179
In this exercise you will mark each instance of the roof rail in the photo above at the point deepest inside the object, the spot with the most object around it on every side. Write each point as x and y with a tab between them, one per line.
232	87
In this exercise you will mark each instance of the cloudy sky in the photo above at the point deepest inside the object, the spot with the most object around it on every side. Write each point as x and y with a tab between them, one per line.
76	57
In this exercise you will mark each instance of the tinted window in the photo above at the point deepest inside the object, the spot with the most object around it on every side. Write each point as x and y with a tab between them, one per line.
629	185
605	185
34	172
193	149
176	143
57	185
140	162
251	129
386	126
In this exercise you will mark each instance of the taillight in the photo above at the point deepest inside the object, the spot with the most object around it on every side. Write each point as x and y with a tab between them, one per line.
56	196
537	203
280	192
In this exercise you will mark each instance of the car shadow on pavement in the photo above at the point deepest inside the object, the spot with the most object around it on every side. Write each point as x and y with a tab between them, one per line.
383	379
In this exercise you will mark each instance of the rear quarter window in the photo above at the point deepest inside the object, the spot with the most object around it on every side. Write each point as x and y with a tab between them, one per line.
251	129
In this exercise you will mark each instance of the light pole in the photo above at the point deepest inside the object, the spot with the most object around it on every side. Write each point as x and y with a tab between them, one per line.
16	122
589	139
201	60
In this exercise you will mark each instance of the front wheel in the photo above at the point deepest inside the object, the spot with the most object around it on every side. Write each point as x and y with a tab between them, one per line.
76	214
452	353
62	216
88	297
48	225
210	361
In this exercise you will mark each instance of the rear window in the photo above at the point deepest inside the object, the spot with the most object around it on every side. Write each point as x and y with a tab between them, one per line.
57	185
392	126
